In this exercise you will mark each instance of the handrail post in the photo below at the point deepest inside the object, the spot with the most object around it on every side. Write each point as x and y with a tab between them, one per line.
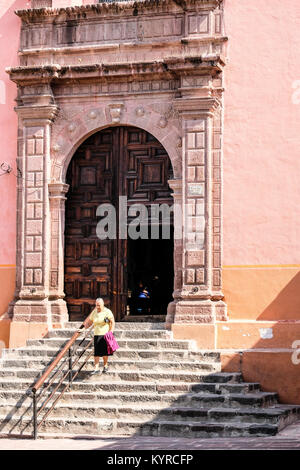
34	415
70	365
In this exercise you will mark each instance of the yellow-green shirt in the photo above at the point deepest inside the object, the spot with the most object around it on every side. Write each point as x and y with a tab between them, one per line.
100	326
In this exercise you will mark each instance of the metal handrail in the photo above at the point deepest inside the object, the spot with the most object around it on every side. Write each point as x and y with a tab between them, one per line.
70	372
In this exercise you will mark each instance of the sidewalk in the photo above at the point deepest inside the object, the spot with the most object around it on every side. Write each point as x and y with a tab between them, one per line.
287	439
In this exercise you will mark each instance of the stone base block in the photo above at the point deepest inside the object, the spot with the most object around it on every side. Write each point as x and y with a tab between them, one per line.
59	312
39	311
221	311
198	311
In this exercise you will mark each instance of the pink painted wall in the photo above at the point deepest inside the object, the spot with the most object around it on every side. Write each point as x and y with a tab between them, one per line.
9	44
261	155
262	133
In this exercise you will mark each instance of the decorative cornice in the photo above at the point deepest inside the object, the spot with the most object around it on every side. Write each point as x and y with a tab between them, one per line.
196	106
169	68
44	73
115	8
194	41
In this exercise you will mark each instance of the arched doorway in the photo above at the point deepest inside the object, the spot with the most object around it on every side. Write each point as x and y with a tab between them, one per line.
118	161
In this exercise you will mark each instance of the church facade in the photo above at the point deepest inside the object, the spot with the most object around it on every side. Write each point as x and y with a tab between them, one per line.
132	105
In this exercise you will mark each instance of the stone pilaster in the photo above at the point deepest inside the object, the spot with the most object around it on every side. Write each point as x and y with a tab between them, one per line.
200	298
31	302
216	216
176	186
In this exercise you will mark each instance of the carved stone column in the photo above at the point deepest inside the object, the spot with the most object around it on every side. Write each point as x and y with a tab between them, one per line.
31	302
57	199
200	299
176	186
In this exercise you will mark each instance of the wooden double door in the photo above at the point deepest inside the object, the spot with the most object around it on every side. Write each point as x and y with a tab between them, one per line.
118	161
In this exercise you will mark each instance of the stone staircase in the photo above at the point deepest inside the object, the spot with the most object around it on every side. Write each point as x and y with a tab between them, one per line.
156	386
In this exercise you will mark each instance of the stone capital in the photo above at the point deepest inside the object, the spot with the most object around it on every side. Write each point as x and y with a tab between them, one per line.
40	113
176	186
57	190
197	107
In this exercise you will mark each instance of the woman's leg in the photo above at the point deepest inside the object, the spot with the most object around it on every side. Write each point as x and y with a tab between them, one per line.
96	360
105	359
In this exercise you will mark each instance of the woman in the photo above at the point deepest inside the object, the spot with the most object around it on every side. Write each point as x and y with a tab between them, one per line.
103	320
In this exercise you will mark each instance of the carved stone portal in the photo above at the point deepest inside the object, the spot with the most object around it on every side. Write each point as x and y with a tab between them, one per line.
86	68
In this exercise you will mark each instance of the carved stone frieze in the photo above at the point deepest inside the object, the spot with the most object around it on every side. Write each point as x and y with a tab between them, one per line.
89	33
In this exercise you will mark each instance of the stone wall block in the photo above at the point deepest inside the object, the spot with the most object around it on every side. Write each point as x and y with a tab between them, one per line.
38	211
195	258
196	157
30	211
34	195
39	146
190	276
30	146
200	173
33	260
28	276
191	173
29	243
200	276
35	163
38	243
34	227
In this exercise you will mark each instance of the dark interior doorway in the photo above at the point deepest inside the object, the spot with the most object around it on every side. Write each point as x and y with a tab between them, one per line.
150	275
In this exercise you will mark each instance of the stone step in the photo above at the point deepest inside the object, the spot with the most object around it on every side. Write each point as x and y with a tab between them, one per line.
118	397
119	334
160	319
179	410
118	385
184	407
131	344
125	325
156	386
119	427
115	364
165	354
244	387
130	375
192	430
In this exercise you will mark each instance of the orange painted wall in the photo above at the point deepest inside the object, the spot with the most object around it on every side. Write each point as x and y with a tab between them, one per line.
262	293
273	370
7	285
